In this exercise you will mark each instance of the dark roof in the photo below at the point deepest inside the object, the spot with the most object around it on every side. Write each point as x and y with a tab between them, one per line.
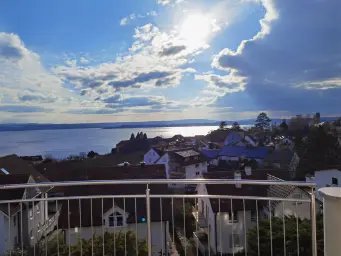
12	194
114	173
32	158
210	153
239	151
99	161
282	157
158	150
227	189
245	190
13	164
186	161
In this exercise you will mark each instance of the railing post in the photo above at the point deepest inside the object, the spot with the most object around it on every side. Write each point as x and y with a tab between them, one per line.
331	220
313	222
149	231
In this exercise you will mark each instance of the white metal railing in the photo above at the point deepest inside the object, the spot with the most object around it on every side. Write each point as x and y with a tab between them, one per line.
122	220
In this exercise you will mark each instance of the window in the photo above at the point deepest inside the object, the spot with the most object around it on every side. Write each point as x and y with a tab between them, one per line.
253	216
38	227
335	181
115	219
196	165
14	220
197	173
31	213
38	208
297	196
186	159
233	217
234	241
196	158
31	234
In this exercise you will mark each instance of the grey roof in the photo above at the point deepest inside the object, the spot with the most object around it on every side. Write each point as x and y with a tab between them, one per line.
282	157
187	153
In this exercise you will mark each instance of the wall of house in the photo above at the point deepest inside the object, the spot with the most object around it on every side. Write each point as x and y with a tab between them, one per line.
151	156
221	226
8	232
302	209
159	240
195	171
225	229
214	162
324	178
232	137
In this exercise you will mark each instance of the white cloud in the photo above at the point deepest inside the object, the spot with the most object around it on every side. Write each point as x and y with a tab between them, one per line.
83	60
169	2
124	21
153	61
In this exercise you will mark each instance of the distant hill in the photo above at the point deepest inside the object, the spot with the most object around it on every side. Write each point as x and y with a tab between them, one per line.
150	124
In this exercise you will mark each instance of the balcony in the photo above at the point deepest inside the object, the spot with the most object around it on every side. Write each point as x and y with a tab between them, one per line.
130	217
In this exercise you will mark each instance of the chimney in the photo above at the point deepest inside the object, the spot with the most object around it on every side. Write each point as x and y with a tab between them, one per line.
238	176
248	170
309	178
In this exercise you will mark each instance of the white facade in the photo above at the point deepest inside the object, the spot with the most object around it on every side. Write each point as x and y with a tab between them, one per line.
325	178
302	209
159	230
220	225
195	171
151	156
164	160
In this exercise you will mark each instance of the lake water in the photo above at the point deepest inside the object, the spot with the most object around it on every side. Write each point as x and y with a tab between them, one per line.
61	143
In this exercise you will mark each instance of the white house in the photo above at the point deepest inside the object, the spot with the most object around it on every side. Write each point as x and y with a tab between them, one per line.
183	164
326	178
223	223
152	155
34	220
117	220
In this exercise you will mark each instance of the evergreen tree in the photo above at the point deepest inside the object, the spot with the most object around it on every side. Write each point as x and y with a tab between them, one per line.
132	136
235	126
145	136
263	121
283	126
222	125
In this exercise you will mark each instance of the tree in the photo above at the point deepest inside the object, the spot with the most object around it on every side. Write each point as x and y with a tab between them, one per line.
222	125
114	244
319	150
235	126
263	121
145	136
283	126
132	136
92	154
304	231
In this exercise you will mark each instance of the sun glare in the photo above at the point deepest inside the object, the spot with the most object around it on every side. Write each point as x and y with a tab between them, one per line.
195	29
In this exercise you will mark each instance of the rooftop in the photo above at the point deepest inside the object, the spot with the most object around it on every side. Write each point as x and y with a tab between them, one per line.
239	151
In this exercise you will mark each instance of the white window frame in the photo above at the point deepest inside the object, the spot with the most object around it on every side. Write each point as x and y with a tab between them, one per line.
197	173
112	219
296	195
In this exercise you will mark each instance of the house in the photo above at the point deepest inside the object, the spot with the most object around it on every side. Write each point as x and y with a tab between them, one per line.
223	223
24	223
152	155
300	209
284	159
282	142
119	215
217	220
33	159
235	153
330	177
183	164
211	156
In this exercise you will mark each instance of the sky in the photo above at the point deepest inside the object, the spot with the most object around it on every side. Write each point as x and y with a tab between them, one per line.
86	61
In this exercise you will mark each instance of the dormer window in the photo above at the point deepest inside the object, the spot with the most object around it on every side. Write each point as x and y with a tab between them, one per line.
116	220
